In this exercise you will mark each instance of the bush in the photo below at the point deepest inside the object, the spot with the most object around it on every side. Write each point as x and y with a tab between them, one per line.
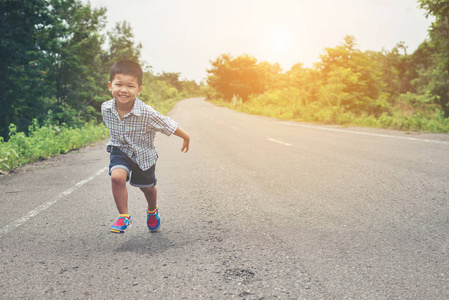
45	141
412	112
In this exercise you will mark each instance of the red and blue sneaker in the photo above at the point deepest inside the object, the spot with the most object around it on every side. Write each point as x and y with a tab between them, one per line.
153	220
123	222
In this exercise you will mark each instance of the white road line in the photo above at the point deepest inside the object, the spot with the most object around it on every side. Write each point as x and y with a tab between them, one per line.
368	133
216	121
13	225
279	142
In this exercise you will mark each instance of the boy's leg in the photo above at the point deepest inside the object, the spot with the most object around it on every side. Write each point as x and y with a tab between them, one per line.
146	181
153	218
119	170
119	190
151	196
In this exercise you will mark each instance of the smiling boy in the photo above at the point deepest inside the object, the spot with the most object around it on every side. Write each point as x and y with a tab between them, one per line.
133	126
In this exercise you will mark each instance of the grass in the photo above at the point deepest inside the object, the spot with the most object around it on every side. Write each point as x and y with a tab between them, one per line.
314	113
45	141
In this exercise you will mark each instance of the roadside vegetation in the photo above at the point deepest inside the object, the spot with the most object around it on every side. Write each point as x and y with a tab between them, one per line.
55	61
387	89
46	141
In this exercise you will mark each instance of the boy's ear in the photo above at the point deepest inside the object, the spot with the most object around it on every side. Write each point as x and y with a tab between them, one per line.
110	86
139	91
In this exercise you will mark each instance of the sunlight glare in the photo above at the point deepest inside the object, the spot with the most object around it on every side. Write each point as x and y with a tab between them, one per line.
281	40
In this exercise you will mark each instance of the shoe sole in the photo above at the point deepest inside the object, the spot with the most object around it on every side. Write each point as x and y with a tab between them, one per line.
121	231
154	230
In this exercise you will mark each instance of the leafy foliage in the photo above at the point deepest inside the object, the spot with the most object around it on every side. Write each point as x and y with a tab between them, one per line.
45	141
240	76
50	59
21	61
438	48
389	89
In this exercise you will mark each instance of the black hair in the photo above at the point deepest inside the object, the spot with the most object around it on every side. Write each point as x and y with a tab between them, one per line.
127	67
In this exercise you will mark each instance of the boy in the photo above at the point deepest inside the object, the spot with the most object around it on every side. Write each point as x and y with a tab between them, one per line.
133	126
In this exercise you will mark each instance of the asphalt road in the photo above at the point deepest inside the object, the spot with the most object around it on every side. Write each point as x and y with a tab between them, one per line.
258	209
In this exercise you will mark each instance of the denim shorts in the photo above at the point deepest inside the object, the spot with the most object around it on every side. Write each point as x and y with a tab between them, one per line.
139	178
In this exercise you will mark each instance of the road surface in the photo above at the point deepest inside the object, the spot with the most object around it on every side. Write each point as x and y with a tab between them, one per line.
258	209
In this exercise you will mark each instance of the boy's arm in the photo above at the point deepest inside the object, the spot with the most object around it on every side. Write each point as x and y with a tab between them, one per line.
185	136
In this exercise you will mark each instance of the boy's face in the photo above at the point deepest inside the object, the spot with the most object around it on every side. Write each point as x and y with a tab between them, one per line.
124	89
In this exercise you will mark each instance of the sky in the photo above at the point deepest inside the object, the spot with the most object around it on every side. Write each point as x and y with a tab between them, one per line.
183	36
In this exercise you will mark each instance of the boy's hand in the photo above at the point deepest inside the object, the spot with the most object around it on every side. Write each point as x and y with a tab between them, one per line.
185	136
185	145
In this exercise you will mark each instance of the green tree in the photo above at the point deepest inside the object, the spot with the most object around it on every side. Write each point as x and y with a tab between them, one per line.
271	74
76	55
351	79
50	54
439	40
190	88
240	76
121	44
397	72
172	79
23	75
306	80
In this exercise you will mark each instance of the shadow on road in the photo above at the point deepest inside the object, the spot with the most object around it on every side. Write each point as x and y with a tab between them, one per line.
151	243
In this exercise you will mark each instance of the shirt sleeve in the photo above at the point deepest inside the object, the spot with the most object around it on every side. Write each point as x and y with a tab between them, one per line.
105	112
161	123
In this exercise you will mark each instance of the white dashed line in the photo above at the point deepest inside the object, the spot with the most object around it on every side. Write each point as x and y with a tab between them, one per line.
279	142
368	133
13	225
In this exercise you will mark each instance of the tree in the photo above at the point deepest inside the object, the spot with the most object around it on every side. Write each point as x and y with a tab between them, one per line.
240	76
271	74
397	72
350	78
23	86
50	55
439	35
76	53
172	79
121	44
190	88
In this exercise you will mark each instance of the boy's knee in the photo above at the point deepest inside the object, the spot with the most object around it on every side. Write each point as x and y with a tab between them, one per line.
118	176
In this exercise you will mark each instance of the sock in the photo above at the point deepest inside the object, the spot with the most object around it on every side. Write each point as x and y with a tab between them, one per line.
124	215
152	212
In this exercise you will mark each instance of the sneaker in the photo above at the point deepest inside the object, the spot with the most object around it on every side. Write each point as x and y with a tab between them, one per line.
121	225
153	220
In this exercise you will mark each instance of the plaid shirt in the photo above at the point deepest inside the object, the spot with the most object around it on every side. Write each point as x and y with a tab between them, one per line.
134	134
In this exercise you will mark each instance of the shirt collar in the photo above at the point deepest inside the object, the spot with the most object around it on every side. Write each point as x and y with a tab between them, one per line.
136	107
136	110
